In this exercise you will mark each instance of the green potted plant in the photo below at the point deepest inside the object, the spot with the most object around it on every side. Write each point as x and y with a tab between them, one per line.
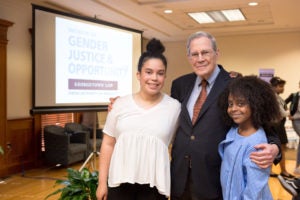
81	185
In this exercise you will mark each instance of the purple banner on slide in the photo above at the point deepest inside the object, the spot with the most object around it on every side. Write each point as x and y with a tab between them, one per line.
81	84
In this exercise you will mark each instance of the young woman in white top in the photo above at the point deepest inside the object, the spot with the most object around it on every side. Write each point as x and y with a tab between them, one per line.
134	159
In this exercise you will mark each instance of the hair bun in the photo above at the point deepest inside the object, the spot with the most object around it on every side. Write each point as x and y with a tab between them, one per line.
154	46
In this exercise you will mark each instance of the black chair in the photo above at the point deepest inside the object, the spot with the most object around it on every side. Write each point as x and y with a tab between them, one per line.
73	127
63	147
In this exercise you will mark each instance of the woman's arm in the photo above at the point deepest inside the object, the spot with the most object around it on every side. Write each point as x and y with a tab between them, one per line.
289	99
107	147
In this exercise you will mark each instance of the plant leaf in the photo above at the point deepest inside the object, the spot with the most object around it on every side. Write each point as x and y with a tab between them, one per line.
80	185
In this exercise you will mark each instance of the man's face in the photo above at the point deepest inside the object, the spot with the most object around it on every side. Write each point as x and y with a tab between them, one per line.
202	57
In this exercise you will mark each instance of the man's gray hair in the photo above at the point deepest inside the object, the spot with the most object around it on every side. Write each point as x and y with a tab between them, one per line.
200	34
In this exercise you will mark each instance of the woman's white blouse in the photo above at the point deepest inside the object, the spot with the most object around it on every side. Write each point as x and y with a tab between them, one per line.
142	138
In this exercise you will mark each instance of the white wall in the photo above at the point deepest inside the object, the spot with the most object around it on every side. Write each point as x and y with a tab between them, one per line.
245	54
248	54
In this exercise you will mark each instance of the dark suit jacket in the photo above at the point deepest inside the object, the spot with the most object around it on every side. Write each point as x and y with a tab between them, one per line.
199	143
294	100
208	131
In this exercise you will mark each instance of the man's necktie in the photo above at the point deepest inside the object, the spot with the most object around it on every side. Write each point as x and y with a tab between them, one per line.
200	100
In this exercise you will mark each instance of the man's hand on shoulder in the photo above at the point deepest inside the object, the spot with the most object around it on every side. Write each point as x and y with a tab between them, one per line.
265	155
234	74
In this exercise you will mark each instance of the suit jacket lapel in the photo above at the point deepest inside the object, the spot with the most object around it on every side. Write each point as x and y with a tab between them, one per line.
189	88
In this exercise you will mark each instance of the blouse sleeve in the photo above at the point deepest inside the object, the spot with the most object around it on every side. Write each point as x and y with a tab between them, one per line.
257	178
111	120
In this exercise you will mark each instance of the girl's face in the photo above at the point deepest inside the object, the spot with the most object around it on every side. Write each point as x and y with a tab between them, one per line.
239	110
152	76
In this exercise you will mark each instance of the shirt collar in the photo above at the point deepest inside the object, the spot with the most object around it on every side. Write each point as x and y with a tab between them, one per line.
211	79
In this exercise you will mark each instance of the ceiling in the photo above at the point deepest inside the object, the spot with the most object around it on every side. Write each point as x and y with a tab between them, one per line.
270	16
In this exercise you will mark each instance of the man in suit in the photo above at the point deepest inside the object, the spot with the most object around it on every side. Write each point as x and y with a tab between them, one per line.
195	164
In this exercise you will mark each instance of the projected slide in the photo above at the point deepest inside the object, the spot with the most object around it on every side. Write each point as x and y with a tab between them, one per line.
92	63
80	62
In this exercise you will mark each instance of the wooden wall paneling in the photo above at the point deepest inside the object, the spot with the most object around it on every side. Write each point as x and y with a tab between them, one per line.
37	121
4	25
22	153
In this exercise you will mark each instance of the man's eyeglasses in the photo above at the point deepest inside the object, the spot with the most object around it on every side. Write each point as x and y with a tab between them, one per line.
203	53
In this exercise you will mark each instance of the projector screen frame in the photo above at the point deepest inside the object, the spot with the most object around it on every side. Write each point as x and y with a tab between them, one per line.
59	109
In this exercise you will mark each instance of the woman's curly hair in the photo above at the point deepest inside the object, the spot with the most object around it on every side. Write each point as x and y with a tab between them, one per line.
259	96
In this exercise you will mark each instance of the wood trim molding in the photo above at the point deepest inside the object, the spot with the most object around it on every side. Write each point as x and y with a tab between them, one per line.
4	25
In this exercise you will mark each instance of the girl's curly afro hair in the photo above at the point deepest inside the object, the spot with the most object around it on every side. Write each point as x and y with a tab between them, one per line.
260	97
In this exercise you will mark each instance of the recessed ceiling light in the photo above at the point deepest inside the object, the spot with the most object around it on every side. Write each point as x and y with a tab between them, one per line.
233	15
168	11
201	17
253	4
218	16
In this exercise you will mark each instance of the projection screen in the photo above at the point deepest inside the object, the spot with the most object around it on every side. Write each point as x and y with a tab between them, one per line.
80	62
